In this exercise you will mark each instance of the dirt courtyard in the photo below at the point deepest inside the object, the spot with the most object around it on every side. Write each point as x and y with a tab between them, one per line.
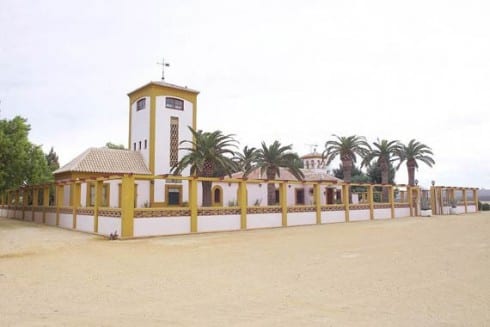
405	272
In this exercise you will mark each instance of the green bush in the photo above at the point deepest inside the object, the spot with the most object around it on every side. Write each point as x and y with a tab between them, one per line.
483	206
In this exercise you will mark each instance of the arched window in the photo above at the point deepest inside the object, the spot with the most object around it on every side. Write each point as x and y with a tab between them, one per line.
173	103
141	104
217	196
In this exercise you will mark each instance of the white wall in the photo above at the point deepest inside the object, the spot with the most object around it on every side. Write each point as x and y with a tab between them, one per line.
161	226
38	217
66	220
28	215
83	194
113	192
143	195
218	223
359	215
333	216
301	218
264	220
140	129
85	223
162	133
51	218
402	212
66	195
384	213
108	225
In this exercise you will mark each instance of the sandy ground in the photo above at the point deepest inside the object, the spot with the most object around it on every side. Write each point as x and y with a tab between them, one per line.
407	272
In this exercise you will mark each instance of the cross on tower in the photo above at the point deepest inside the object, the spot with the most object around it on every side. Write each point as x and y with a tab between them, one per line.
163	64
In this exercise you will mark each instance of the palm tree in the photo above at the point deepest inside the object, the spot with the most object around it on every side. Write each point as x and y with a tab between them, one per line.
413	152
246	158
208	154
269	159
347	148
384	153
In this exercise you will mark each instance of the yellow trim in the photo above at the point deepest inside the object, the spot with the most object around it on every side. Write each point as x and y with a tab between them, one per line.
98	200
45	202
346	201
317	193
220	203
370	194
283	196
76	202
392	201
127	209
242	202
193	204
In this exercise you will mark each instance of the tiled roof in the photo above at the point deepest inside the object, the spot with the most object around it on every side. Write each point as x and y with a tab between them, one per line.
285	175
105	160
165	84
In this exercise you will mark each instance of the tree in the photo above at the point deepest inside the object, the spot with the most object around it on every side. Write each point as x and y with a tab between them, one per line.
115	146
412	153
208	154
21	162
246	158
269	159
52	160
347	148
374	174
384	153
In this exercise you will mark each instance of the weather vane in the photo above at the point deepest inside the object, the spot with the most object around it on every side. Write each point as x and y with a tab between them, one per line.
163	64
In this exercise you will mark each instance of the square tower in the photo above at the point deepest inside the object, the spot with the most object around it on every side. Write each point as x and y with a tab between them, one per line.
159	116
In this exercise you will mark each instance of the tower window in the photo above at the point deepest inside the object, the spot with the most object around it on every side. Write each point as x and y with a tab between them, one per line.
146	144
140	145
134	146
141	104
174	103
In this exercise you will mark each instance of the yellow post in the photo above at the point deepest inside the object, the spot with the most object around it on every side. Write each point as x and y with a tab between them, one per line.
464	201
45	202
317	193
193	204
127	206
35	201
475	198
283	194
371	201
99	184
24	202
60	190
242	202
75	200
346	200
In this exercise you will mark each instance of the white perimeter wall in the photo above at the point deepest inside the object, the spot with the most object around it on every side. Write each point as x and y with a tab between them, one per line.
301	218
109	225
218	223
38	217
359	215
384	213
28	215
85	223
66	220
402	212
264	220
161	226
51	218
333	217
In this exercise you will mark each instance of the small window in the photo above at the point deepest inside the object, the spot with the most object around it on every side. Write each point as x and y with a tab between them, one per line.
141	104
300	196
146	144
174	103
140	145
134	146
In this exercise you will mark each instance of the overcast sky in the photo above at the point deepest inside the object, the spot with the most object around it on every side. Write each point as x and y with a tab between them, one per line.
293	71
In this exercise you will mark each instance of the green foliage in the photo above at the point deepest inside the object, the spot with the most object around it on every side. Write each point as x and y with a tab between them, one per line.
246	158
115	146
21	162
412	154
483	206
374	174
383	153
52	160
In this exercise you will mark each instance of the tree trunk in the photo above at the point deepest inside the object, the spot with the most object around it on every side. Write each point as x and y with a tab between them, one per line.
347	169
411	172
384	167
206	193
271	188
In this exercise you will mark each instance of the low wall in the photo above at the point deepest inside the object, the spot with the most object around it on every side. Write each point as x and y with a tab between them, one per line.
161	226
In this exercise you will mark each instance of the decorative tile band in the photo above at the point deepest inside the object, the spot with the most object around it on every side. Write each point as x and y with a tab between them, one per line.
359	207
66	210
217	212
85	211
382	206
110	212
337	207
402	205
302	209
161	213
264	210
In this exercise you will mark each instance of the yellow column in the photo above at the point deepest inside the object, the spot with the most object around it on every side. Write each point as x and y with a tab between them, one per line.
464	201
127	206
318	193
35	200
75	200
345	199
371	201
433	200
193	204
392	201
59	201
99	184
45	202
475	198
283	194
242	202
24	202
